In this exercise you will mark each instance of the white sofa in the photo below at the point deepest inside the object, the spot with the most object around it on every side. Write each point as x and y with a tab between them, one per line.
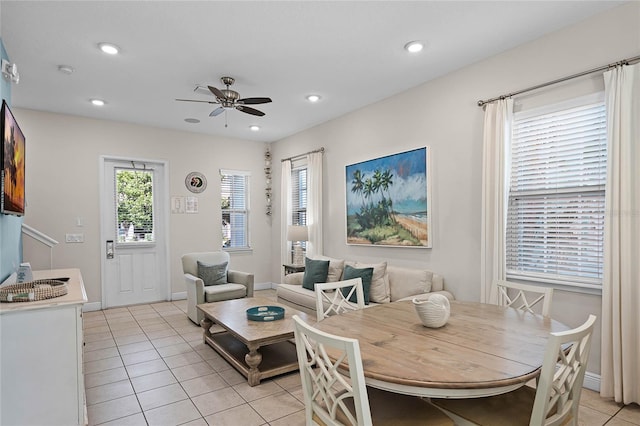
394	283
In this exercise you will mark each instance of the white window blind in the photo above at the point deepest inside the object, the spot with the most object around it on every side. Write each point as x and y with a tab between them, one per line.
555	218
299	199
299	196
234	189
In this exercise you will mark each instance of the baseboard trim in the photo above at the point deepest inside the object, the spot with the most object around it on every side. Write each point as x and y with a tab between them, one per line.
179	296
263	286
591	381
96	306
91	306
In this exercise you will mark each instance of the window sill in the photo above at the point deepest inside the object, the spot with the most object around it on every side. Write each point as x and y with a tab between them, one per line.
238	249
574	287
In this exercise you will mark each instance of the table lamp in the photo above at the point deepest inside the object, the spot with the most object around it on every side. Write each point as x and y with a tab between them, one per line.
296	234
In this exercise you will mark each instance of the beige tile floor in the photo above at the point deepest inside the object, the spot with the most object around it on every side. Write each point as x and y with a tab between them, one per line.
147	365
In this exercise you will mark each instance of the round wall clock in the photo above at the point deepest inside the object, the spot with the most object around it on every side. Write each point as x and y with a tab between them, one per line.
196	182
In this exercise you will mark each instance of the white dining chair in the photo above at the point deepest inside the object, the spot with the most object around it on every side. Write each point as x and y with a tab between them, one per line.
555	400
334	298
335	392
537	294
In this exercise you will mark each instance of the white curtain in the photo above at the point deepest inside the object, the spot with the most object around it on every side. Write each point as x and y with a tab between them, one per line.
285	208
495	169
314	204
620	358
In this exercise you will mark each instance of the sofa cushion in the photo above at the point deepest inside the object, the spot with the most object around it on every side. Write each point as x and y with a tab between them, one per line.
365	274
406	282
335	268
315	271
297	296
379	291
216	293
213	274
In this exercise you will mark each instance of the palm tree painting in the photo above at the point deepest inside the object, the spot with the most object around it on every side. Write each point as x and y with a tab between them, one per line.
388	201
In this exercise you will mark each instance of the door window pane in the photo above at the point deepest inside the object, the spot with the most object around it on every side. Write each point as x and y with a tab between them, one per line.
134	205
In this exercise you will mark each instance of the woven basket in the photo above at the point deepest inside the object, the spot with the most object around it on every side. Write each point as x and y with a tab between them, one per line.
33	290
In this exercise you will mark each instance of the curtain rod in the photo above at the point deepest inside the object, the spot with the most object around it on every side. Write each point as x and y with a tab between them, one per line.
560	80
295	157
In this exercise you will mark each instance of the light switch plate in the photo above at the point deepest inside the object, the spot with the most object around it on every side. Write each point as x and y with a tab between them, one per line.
74	238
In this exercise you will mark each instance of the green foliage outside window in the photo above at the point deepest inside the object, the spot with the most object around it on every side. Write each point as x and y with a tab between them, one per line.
134	205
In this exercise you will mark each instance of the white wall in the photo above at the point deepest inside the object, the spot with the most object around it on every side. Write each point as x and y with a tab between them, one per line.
62	184
443	115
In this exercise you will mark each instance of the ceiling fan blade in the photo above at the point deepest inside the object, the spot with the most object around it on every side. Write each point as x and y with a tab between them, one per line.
217	92
249	110
194	100
254	101
216	112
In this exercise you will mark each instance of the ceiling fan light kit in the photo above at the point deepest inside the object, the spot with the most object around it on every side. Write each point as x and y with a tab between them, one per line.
230	99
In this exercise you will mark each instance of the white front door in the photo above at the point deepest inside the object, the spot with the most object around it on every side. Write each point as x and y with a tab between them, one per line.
134	232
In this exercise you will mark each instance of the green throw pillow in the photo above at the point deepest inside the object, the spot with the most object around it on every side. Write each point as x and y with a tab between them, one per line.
365	274
213	274
315	271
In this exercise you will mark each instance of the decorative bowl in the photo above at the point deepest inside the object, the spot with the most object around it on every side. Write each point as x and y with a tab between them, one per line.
433	312
265	313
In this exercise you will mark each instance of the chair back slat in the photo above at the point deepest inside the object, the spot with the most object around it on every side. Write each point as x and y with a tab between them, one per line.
562	375
506	297
329	385
330	299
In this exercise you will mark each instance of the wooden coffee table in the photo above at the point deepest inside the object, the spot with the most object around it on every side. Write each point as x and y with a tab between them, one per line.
256	349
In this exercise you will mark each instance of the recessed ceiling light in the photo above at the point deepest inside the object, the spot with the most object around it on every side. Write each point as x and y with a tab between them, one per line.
414	46
192	120
97	102
66	69
108	48
254	128
313	98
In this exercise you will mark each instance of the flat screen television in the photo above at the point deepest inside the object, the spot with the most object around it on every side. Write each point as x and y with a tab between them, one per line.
12	179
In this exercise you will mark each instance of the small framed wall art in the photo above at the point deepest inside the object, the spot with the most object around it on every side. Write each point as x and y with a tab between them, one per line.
196	182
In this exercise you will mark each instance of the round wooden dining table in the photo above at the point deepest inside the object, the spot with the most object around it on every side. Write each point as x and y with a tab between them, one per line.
483	349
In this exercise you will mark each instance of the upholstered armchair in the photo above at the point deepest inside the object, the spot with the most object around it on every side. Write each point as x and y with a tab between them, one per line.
238	284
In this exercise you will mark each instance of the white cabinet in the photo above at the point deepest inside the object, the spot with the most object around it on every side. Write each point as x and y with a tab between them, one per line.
41	379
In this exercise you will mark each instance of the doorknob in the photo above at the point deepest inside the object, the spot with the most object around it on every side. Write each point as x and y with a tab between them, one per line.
109	249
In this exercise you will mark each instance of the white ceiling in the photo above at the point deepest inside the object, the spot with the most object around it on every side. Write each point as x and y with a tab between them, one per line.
349	52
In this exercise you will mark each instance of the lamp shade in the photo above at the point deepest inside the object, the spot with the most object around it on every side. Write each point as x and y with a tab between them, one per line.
297	233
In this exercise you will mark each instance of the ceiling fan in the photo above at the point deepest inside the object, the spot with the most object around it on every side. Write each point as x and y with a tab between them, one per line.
230	99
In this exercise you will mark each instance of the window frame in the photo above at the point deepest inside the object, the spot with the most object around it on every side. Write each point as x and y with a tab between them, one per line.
564	282
246	175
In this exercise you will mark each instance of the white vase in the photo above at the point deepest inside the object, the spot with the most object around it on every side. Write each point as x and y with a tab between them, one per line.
433	312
